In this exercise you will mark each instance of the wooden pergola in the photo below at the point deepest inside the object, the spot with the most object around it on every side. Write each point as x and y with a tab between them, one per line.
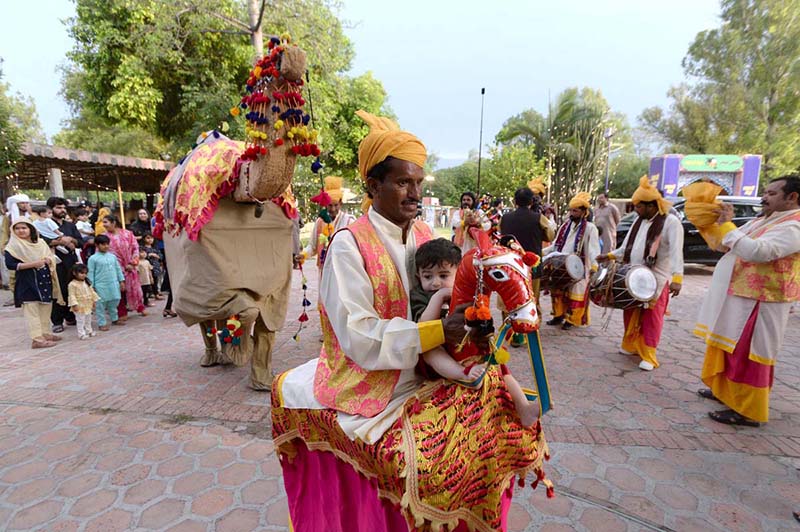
58	169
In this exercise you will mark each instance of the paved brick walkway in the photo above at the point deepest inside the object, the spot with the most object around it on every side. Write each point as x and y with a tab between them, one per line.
126	431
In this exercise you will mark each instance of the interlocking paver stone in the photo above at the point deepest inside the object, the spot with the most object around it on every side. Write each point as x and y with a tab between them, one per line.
144	437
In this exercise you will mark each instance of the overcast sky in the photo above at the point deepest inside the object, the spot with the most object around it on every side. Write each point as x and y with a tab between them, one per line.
434	56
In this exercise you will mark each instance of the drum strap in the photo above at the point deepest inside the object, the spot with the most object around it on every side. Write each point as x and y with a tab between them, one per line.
651	243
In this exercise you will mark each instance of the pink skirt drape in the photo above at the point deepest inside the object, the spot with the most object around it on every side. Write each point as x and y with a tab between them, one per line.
326	493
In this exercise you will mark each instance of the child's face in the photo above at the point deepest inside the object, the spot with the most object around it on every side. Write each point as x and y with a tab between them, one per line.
436	277
102	248
142	255
46	214
81	276
83	217
148	240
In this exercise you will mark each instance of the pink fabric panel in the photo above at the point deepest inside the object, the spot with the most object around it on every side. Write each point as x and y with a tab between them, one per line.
739	368
652	318
325	493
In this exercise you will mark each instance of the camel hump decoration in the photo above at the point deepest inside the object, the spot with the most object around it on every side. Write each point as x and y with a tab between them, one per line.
229	264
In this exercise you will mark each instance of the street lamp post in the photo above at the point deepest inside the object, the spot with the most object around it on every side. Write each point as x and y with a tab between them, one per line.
609	133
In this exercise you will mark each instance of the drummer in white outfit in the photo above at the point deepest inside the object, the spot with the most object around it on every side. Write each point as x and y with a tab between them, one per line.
580	237
658	244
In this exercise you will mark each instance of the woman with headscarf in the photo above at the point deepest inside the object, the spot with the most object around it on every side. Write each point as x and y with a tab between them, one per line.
99	226
125	248
36	284
141	225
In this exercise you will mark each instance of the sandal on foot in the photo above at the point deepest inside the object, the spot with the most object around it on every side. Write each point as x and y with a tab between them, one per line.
705	393
42	344
169	314
729	417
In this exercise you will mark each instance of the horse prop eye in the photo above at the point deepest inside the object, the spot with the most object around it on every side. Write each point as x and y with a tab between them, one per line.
498	275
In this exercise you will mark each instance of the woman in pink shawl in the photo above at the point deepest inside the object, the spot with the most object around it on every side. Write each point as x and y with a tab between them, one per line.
125	248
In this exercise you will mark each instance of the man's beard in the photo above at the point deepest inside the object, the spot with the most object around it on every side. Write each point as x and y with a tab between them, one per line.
576	219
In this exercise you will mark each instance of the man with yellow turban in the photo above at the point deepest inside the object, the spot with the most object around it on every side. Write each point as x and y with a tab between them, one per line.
360	406
324	229
538	187
746	310
656	241
576	236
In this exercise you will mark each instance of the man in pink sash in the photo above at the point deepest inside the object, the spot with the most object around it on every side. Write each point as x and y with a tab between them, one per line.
746	310
347	425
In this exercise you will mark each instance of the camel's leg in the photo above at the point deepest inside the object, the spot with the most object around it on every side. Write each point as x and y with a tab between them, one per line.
240	354
211	356
261	365
224	348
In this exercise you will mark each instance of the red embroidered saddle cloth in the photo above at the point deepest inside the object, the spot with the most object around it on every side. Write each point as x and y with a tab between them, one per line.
449	457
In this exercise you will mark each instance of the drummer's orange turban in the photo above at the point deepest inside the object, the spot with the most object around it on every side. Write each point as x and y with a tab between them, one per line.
647	192
385	139
537	186
581	199
333	186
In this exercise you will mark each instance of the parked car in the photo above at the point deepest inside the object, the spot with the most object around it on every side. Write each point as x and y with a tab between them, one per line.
695	248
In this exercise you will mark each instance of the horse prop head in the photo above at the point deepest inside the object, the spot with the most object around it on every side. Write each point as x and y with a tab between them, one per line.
505	270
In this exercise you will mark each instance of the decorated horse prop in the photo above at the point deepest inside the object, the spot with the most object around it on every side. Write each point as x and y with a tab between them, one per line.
506	271
230	264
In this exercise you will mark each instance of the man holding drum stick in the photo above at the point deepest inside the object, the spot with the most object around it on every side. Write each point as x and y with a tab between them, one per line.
655	241
576	236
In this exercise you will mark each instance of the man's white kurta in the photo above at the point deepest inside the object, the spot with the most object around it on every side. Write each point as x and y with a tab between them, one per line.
371	342
723	316
669	257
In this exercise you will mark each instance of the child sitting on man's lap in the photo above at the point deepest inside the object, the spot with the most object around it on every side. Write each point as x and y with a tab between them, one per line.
436	262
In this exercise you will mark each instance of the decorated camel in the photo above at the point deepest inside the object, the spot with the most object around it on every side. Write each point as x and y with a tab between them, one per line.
225	215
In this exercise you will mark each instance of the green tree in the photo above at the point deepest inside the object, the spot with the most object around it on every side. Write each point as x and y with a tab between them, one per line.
625	171
743	92
146	78
510	167
19	123
569	140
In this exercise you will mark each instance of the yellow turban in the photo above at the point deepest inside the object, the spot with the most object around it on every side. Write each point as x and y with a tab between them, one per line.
333	186
647	192
537	186
702	207
385	139
581	199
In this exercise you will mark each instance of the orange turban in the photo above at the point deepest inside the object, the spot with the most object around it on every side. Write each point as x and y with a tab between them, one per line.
581	199
647	192
537	186
385	139
333	186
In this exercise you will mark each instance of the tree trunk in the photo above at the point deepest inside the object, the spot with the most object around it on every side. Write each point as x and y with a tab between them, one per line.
256	36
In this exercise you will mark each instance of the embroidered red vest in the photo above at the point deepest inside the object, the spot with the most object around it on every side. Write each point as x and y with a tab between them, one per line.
339	382
777	281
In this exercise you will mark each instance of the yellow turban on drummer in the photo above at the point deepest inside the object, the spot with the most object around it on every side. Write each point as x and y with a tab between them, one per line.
333	186
647	192
385	139
537	186
581	199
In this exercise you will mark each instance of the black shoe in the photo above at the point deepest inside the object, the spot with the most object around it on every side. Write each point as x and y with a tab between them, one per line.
58	329
556	321
567	326
70	323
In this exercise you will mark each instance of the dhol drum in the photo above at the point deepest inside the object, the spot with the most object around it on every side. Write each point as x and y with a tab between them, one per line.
622	286
560	271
